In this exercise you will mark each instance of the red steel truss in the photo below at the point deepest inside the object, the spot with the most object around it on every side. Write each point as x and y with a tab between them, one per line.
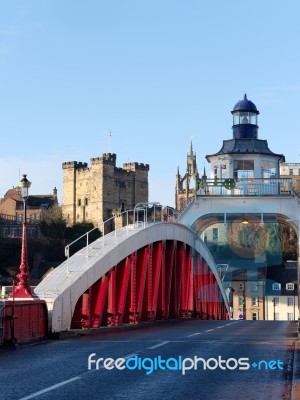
165	279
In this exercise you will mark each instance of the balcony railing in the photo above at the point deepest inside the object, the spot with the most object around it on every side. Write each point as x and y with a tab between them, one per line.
6	219
251	187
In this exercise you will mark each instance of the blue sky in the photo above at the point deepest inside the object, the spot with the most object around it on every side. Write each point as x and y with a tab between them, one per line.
155	73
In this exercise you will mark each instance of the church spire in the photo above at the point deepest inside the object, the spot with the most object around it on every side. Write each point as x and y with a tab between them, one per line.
191	148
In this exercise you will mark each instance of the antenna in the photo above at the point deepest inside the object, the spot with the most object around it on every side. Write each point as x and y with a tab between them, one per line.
109	140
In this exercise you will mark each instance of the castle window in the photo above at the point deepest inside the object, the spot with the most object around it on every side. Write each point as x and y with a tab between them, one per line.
86	201
79	202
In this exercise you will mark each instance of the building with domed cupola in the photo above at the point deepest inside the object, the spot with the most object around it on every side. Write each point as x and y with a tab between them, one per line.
248	215
245	156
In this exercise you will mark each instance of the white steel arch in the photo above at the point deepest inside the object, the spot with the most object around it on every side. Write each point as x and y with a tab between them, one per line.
62	288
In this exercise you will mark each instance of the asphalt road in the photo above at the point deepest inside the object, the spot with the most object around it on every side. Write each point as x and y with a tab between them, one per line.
189	359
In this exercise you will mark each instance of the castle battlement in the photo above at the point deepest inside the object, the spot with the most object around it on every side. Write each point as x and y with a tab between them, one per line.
134	166
74	164
107	158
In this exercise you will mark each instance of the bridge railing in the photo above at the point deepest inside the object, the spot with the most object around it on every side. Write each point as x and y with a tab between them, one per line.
138	218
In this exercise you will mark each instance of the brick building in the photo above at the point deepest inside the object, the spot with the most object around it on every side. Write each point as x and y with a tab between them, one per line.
95	193
12	211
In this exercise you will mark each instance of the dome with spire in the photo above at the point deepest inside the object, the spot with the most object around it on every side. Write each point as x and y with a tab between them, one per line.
245	105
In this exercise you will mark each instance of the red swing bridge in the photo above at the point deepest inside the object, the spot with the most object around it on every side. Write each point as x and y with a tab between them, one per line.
145	271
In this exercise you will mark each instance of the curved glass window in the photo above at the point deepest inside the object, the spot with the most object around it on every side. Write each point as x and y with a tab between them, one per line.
244	117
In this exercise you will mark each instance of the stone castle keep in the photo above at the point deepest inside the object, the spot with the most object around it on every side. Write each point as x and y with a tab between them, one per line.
95	193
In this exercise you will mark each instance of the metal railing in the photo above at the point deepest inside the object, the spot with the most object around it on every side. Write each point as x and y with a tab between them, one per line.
130	219
252	187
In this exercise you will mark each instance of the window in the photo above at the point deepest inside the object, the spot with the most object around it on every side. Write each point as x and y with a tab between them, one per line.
290	301
268	169
254	287
276	301
243	169
241	300
254	316
291	171
254	301
215	233
290	316
289	286
276	286
241	287
86	201
79	202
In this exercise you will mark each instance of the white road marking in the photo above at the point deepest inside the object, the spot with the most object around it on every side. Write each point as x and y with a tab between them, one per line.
194	334
209	330
33	395
157	345
218	327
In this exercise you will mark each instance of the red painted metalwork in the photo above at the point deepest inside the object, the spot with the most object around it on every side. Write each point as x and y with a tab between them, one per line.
23	289
165	279
25	321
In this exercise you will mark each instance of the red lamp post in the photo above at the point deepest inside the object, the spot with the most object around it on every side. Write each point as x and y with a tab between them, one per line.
22	290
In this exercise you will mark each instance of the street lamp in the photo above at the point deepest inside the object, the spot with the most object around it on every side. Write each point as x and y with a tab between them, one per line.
23	290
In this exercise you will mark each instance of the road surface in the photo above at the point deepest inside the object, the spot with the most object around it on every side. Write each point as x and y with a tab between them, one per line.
189	359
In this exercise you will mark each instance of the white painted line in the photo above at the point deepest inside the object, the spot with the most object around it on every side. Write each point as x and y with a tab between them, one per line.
218	327
209	330
157	345
33	395
194	334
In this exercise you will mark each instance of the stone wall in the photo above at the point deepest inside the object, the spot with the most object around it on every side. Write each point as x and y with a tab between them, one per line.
92	193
